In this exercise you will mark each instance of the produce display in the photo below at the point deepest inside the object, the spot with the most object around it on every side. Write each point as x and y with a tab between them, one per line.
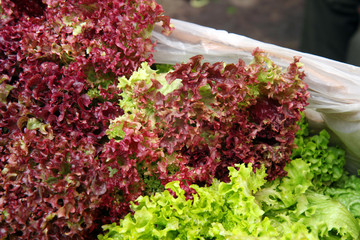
99	141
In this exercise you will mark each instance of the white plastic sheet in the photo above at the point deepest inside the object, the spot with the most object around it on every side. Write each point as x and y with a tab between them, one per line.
334	86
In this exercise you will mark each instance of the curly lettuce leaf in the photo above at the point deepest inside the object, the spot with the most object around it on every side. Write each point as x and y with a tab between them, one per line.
326	162
347	192
235	210
137	99
291	201
326	217
193	122
284	193
221	211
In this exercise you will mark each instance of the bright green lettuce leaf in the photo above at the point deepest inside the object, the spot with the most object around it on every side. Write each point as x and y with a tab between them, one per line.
221	211
141	81
137	98
326	161
326	217
347	191
245	208
291	202
235	210
166	87
140	78
284	193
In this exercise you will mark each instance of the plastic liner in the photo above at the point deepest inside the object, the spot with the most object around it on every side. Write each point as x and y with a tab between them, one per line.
334	87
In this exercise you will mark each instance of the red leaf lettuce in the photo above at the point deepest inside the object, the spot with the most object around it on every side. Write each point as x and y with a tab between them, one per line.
59	64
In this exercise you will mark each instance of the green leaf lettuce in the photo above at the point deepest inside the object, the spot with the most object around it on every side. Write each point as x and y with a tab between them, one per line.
245	208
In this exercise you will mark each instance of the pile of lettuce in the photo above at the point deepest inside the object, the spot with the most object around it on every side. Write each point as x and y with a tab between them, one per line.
192	122
87	127
59	66
315	200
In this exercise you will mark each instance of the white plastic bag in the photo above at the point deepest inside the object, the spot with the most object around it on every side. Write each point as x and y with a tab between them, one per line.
334	86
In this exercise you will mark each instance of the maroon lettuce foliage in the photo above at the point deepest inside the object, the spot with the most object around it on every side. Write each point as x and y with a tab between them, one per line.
59	64
232	114
220	115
